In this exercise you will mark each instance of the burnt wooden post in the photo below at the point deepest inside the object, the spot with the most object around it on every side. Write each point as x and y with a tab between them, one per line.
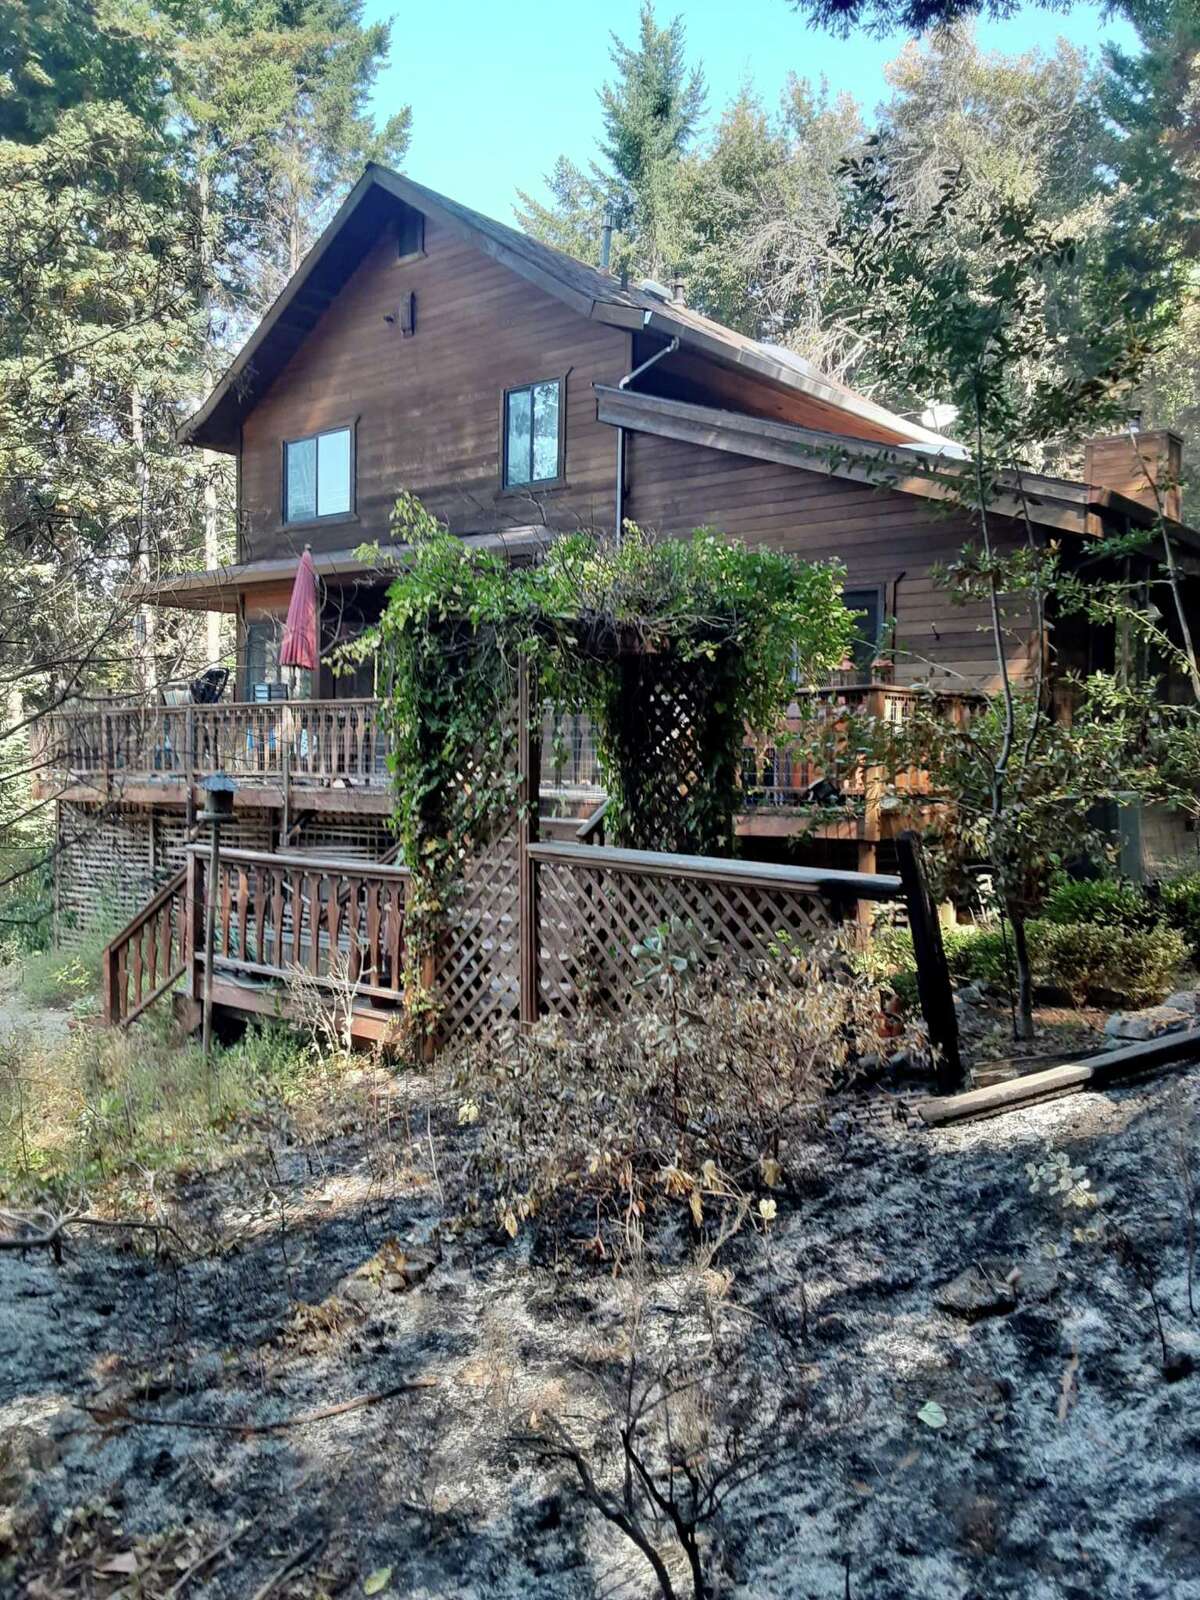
933	972
529	766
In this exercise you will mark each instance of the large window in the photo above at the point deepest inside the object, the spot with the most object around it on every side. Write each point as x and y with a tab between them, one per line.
533	434
317	476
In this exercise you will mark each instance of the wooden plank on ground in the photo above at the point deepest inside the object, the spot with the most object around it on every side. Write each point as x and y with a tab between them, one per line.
1110	1066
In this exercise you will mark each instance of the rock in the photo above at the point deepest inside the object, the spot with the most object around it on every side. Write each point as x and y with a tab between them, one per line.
206	1370
1148	1024
1037	1281
391	1270
982	1290
1185	1000
969	995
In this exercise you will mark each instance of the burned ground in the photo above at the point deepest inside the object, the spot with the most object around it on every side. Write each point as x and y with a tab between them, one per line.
1016	1435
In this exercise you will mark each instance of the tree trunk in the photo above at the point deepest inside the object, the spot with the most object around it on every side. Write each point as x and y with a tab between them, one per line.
1023	1018
212	543
147	662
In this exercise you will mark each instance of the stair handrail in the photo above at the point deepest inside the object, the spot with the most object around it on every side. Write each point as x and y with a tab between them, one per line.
114	997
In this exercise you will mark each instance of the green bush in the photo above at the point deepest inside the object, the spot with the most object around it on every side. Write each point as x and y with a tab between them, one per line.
1107	902
1180	899
1087	960
61	977
1091	962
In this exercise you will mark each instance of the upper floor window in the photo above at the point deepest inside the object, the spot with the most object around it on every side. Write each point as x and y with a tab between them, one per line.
317	476
533	433
868	626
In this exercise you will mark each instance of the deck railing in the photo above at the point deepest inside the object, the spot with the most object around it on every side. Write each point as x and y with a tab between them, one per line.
337	924
323	743
780	773
309	742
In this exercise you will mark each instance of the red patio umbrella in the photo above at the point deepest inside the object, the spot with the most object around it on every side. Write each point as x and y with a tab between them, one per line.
299	647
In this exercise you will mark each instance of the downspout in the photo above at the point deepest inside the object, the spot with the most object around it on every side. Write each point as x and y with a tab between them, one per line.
667	349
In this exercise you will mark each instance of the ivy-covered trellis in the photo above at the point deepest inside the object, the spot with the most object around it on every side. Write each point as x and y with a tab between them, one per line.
672	648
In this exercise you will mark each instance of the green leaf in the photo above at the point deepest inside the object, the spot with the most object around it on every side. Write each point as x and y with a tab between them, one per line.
378	1580
932	1415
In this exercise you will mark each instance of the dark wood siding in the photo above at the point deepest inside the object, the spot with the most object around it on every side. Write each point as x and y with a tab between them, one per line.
686	375
878	535
428	407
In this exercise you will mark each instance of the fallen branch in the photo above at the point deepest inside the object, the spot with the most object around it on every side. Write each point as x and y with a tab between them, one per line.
119	1415
1110	1066
300	1559
51	1238
209	1557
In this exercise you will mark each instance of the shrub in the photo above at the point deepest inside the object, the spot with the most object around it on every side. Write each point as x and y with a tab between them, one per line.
59	977
1180	899
698	1096
1107	902
1091	962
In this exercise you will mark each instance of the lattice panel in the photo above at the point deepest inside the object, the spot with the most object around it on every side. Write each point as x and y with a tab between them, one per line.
590	920
668	721
478	975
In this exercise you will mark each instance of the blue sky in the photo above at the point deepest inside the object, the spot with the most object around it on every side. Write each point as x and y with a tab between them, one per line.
499	90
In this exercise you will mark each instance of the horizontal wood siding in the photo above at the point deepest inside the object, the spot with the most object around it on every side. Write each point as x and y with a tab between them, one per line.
878	535
428	407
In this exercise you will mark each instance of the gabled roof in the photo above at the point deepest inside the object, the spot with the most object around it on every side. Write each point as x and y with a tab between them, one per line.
376	199
1060	503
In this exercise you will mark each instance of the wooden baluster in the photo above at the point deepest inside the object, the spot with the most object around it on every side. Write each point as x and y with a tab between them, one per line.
137	968
396	932
262	913
277	902
299	902
226	907
354	966
372	895
166	927
314	923
243	907
152	950
333	917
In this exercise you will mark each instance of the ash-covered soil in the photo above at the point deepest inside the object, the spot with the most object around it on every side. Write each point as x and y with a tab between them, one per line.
1067	1462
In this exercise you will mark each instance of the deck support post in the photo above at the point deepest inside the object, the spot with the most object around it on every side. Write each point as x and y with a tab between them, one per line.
933	972
529	763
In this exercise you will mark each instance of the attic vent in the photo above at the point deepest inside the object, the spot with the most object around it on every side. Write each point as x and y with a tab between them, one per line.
658	290
410	233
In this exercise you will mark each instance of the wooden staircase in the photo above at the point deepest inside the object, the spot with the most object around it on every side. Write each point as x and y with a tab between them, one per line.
286	910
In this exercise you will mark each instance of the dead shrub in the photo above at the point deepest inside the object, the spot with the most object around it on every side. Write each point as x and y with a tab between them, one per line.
698	1095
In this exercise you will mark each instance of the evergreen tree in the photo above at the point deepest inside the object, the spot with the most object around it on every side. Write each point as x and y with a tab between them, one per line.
651	113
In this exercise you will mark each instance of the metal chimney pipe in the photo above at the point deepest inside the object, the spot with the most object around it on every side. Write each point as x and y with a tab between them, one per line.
606	233
677	291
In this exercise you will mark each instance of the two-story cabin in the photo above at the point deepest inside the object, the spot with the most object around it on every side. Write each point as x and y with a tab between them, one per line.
520	393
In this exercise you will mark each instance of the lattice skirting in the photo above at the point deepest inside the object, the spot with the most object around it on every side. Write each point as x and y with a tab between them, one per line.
114	858
592	919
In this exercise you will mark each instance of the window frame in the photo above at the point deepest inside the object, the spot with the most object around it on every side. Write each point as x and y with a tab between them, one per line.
560	464
351	514
880	591
418	251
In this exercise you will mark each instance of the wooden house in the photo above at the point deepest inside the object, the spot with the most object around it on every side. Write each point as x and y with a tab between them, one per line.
520	393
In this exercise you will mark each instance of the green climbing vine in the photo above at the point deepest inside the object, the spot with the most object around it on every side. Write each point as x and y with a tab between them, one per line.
671	647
